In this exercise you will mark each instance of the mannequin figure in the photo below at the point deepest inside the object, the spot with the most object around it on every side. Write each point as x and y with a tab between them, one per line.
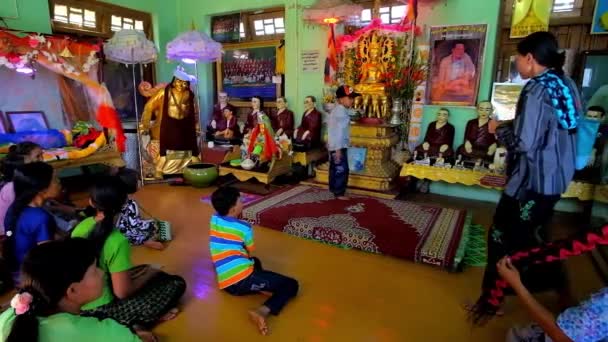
217	122
308	135
282	120
257	104
479	143
231	134
439	137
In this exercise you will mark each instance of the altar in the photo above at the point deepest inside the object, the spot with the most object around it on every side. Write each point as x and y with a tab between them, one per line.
379	170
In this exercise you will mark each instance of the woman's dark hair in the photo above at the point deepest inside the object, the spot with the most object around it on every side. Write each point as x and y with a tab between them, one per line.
29	180
224	198
261	102
47	272
545	50
108	197
490	300
129	179
312	98
16	157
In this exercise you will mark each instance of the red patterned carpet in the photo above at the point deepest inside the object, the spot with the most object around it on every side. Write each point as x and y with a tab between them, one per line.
421	233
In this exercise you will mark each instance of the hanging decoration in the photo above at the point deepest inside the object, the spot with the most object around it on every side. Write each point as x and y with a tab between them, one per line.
194	46
130	47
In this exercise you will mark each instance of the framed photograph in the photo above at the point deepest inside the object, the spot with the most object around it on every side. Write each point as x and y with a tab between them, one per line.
456	63
28	121
3	129
246	70
504	99
226	28
356	158
593	77
599	25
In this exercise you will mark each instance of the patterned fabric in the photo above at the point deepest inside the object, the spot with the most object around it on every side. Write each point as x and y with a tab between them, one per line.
133	227
562	99
338	128
230	242
420	233
530	333
147	306
587	322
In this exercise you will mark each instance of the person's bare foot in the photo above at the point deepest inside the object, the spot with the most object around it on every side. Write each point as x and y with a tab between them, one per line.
171	314
153	244
258	317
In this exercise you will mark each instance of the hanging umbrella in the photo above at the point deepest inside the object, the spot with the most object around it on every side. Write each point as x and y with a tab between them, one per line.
130	47
194	46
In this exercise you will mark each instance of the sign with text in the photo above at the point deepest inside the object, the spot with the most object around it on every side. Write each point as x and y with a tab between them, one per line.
310	61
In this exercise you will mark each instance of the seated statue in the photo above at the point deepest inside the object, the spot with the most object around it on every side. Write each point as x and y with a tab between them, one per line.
228	131
282	120
439	137
479	142
257	106
374	100
260	145
217	116
308	135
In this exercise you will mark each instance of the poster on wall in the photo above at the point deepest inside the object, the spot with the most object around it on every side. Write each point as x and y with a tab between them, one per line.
530	16
310	61
456	63
226	28
248	71
504	100
600	18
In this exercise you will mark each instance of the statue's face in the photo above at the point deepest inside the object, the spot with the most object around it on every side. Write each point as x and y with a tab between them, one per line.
442	116
594	115
281	104
255	103
484	110
222	98
180	85
308	104
227	113
374	53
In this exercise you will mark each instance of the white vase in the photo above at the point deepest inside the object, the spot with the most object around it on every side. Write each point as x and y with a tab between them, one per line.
396	110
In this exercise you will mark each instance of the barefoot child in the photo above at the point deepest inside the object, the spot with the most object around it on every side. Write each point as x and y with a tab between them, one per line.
137	230
55	286
238	273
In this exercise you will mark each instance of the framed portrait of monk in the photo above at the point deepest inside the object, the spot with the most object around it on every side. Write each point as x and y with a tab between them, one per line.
456	64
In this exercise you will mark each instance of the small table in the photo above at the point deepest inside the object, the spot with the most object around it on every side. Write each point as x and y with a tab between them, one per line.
277	167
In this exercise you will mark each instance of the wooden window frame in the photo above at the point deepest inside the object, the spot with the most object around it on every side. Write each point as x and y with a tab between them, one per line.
250	35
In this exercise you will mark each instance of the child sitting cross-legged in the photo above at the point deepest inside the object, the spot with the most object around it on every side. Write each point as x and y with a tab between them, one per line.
238	273
58	278
138	297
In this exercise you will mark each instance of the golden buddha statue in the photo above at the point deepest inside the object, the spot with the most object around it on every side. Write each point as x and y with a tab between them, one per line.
170	120
374	51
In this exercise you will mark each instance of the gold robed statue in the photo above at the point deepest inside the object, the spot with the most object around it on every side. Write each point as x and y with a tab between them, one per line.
375	52
169	123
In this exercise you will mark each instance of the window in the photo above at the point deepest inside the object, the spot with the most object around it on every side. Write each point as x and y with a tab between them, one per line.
388	15
242	30
74	16
96	18
272	26
567	8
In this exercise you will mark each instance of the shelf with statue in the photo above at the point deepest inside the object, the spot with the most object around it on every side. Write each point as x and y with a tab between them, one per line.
307	146
439	138
169	127
262	156
218	116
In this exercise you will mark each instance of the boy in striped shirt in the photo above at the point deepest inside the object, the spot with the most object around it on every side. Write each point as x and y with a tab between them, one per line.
231	244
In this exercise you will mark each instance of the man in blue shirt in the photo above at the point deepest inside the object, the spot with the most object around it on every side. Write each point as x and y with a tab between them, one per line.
338	131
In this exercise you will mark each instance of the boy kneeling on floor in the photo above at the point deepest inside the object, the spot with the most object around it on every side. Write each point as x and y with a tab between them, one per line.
231	244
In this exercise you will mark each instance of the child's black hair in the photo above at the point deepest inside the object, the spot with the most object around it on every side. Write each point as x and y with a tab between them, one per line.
129	179
47	272
29	180
15	158
224	198
108	197
598	109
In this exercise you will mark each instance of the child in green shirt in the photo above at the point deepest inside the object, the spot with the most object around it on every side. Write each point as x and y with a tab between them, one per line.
55	286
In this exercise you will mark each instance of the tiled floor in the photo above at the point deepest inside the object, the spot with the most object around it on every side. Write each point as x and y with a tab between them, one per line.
346	295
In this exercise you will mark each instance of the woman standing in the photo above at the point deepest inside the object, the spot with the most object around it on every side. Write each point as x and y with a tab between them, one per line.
541	145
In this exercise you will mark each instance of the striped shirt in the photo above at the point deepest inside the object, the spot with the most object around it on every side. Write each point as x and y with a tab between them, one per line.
542	152
230	242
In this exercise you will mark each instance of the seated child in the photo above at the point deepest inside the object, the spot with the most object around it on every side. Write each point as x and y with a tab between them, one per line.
137	230
231	244
135	300
27	223
55	286
19	154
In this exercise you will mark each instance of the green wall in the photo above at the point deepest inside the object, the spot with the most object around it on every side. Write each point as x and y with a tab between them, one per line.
34	16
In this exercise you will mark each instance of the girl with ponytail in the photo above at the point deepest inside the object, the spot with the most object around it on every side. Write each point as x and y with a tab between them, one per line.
22	153
541	145
27	223
55	286
585	322
138	297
